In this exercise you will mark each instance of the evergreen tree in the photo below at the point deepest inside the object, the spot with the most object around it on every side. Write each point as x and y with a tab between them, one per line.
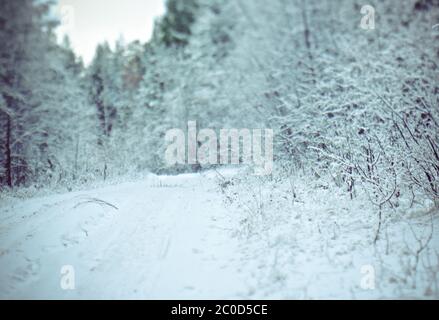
175	27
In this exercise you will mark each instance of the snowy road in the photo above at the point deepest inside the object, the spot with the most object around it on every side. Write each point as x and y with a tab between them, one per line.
165	237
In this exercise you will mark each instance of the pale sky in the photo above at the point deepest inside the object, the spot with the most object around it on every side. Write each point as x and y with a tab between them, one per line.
90	22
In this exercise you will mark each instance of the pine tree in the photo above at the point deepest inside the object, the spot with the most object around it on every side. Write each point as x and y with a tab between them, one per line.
175	27
42	109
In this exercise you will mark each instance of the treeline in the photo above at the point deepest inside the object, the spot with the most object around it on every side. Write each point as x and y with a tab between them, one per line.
357	107
61	122
41	101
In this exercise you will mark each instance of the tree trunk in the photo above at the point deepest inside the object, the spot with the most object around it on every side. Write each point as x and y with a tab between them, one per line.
307	40
8	162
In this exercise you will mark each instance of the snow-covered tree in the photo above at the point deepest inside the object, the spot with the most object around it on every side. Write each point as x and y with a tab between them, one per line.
175	27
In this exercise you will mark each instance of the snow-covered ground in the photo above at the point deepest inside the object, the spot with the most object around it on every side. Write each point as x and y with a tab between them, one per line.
184	237
164	237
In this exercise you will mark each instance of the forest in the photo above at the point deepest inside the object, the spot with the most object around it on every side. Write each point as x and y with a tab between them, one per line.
358	105
354	111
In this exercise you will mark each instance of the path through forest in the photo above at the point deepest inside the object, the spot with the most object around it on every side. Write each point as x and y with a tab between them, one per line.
164	237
